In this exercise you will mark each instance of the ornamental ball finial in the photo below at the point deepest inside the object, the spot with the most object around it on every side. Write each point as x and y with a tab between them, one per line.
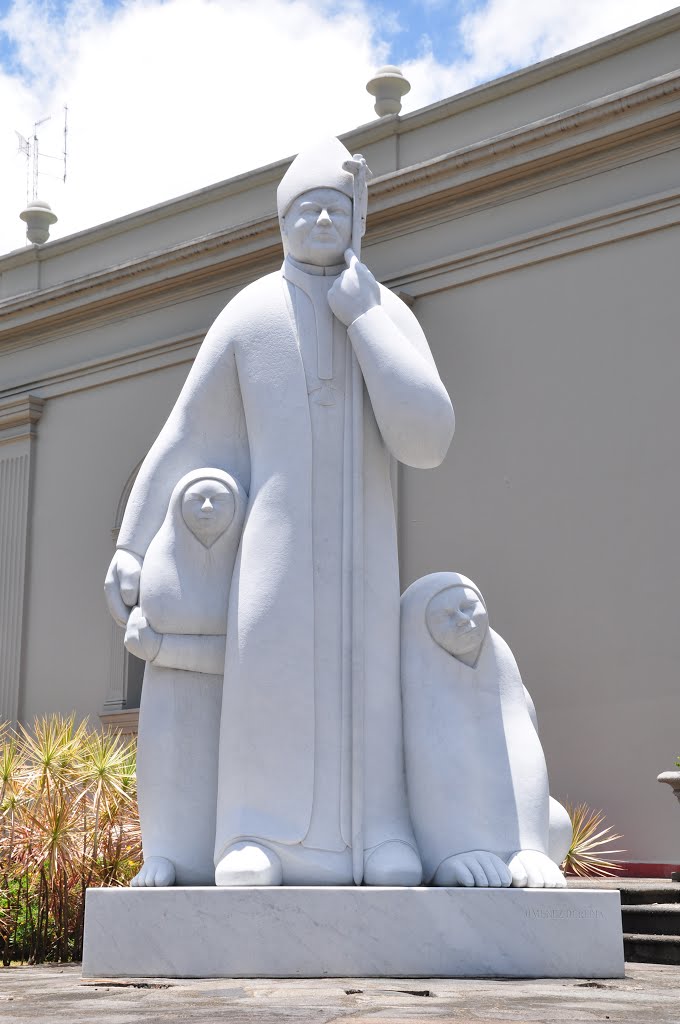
39	218
388	85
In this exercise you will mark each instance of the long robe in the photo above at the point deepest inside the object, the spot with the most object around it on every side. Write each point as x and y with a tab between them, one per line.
245	408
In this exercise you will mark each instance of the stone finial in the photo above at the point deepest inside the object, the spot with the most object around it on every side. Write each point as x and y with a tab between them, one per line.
39	219
388	85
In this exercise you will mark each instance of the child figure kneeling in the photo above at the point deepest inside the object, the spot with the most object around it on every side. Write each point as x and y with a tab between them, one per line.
476	775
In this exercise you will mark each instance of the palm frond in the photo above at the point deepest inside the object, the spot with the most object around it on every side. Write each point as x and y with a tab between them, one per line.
590	853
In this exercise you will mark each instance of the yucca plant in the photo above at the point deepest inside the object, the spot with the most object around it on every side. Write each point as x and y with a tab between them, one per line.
590	854
68	820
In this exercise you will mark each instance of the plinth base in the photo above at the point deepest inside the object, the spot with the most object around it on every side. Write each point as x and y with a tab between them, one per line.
348	932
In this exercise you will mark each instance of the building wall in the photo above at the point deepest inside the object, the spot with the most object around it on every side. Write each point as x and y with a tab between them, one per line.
560	498
543	268
90	441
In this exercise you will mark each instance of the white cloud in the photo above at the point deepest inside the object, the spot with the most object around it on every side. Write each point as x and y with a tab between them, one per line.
507	34
502	35
166	96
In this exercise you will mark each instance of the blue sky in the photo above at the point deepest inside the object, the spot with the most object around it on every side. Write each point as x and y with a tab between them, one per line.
420	23
167	96
432	25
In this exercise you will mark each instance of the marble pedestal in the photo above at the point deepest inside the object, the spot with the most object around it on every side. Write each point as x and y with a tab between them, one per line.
348	932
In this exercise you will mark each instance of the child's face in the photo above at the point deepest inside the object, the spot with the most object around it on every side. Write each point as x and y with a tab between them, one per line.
208	508
458	622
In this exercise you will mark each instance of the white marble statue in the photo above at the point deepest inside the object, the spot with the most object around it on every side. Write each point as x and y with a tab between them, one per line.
179	628
304	386
476	774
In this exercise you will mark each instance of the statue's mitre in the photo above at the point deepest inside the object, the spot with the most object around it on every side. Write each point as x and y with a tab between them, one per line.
319	166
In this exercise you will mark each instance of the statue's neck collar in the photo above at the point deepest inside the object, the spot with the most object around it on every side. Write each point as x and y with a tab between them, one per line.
311	269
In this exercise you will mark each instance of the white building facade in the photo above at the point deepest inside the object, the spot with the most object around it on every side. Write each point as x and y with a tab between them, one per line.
533	225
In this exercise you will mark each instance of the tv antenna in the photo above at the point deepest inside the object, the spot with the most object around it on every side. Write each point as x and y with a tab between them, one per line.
30	147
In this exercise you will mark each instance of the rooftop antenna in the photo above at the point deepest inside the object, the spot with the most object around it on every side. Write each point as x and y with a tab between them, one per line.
30	147
36	154
38	214
65	139
25	147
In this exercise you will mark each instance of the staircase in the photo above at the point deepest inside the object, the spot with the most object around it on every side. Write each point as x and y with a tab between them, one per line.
651	923
650	911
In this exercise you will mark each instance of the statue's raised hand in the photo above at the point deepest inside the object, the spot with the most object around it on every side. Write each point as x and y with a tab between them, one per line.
355	291
122	584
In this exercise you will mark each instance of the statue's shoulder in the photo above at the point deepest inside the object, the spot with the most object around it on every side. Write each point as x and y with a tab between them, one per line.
503	655
390	298
258	296
247	308
398	311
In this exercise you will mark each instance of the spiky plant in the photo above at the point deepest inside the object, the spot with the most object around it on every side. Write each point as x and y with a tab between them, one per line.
68	820
590	854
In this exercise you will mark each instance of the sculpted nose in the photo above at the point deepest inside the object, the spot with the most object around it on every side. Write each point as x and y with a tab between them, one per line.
324	219
206	506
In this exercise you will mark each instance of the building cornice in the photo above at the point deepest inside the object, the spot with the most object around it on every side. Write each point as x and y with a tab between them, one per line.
627	116
553	67
610	131
627	220
18	418
364	135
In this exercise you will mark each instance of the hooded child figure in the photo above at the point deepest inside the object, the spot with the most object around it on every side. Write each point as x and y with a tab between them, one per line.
179	628
476	774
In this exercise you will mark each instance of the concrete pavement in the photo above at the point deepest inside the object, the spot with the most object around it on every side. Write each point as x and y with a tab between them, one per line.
53	994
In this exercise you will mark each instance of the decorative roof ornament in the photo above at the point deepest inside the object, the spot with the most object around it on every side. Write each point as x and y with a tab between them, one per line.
388	85
39	219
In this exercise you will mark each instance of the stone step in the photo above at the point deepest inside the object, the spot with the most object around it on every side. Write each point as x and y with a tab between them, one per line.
651	949
652	919
632	895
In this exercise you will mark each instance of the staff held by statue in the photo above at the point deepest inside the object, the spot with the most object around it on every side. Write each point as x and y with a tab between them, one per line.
360	172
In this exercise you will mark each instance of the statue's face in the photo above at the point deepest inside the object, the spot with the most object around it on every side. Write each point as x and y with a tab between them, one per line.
458	622
208	508
318	227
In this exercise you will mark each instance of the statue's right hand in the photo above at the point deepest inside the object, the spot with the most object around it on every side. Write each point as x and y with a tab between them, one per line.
122	584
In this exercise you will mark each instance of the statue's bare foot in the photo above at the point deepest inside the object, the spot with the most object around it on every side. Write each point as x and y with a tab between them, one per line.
155	871
476	867
247	863
533	870
392	863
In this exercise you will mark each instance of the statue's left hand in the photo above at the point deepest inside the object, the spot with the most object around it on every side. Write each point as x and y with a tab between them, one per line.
140	639
121	587
355	292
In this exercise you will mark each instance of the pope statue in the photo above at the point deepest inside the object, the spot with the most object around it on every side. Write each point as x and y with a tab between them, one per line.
305	385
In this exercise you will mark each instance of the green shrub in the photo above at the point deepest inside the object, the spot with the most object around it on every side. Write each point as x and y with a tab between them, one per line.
68	821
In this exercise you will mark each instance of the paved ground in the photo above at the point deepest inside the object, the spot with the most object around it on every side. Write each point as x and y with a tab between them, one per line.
649	994
50	994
